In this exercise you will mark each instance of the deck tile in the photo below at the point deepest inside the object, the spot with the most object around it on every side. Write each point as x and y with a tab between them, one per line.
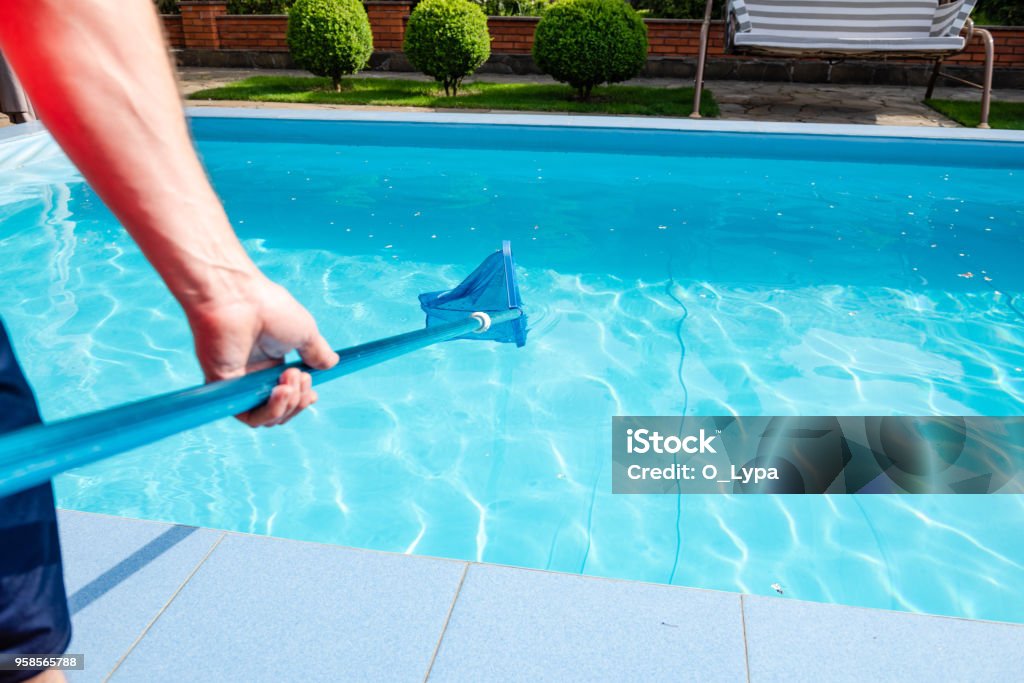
520	625
790	640
119	573
276	610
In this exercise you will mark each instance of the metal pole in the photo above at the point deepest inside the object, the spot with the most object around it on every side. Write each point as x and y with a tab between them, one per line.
986	86
702	54
38	453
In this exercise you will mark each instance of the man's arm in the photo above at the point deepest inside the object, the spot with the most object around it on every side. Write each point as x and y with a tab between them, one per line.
99	76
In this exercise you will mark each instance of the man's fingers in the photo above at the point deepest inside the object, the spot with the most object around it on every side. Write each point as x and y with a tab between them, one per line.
271	411
317	353
292	378
305	395
293	394
308	399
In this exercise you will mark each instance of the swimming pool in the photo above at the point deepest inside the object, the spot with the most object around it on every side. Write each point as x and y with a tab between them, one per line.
663	271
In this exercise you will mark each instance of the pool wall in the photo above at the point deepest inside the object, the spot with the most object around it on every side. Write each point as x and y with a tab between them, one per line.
620	135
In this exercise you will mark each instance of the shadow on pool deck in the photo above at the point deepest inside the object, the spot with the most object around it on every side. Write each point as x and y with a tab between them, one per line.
159	602
113	577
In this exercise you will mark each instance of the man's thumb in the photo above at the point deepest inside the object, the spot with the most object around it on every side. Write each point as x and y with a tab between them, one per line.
317	353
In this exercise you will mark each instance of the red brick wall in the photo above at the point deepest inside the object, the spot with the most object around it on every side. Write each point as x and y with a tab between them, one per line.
199	22
174	30
206	24
1009	48
675	37
265	33
387	21
511	35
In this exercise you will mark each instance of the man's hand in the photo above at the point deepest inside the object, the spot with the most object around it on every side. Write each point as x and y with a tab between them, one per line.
252	327
102	83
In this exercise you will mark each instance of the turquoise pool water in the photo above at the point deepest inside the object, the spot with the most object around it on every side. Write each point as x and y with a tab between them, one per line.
663	272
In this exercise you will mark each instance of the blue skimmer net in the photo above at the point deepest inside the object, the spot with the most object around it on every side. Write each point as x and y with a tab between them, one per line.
491	289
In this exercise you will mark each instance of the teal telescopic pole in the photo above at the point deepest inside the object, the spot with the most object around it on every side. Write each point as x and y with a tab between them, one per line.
38	453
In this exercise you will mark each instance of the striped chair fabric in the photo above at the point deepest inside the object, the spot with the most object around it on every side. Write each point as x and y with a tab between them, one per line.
850	26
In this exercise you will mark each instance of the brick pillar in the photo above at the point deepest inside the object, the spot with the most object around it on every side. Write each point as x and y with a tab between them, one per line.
173	31
387	21
199	22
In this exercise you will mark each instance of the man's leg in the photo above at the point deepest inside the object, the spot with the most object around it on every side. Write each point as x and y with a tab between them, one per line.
33	606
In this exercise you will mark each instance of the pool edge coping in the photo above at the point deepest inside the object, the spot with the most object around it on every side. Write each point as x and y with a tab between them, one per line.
597	121
585	121
21	130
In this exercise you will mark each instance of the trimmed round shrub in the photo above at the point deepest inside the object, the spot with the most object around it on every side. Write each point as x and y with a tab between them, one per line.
259	6
588	42
678	9
329	37
447	39
513	8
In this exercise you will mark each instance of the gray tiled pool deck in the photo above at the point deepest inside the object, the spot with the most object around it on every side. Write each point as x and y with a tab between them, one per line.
162	602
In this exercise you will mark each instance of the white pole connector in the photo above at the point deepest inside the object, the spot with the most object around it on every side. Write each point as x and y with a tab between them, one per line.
485	321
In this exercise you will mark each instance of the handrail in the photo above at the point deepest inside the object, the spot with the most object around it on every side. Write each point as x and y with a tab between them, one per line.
698	81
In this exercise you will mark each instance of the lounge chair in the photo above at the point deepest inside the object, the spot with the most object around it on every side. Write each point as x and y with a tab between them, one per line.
840	29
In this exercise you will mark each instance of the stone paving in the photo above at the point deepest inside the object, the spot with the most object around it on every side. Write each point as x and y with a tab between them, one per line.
738	100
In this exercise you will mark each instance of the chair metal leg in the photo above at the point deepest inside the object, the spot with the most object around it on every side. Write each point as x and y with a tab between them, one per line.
935	77
986	86
702	55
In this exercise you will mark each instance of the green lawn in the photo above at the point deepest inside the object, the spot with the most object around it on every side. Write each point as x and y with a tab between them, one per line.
613	99
1002	114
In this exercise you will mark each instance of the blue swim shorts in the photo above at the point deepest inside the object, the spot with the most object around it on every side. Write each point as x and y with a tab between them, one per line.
33	605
